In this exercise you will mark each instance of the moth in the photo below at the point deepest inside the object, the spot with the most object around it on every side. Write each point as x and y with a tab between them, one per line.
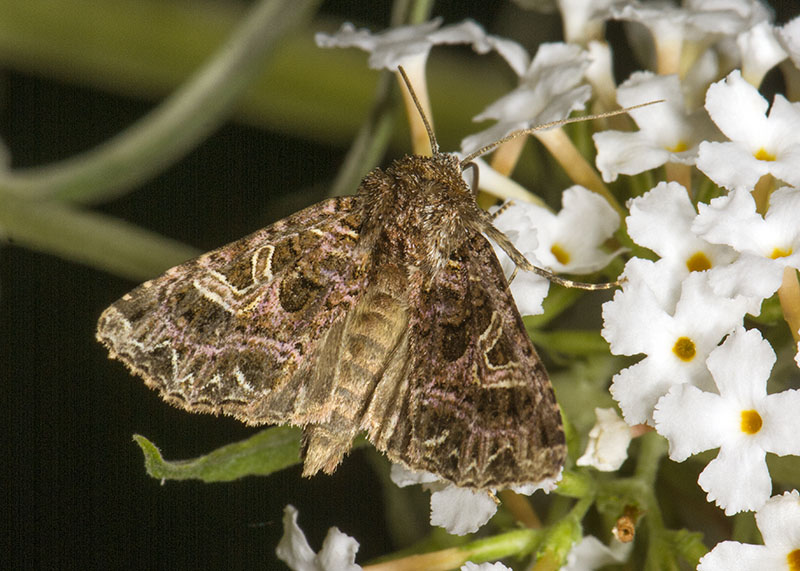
385	312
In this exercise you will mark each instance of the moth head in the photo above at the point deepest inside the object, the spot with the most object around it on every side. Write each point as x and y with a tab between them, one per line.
453	211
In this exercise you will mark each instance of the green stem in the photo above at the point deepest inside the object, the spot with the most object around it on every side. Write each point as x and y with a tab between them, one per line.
179	124
90	238
653	449
420	11
371	142
562	537
512	543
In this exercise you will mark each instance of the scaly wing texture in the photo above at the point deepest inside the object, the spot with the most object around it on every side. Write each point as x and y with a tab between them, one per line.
236	330
473	403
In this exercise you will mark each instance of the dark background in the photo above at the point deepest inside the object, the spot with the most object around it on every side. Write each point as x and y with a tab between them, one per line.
76	493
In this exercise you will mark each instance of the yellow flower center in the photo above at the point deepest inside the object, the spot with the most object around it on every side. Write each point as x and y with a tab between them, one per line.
679	147
764	155
751	424
560	254
780	253
698	262
793	559
684	349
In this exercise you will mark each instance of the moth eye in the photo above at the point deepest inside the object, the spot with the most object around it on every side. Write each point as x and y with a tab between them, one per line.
296	290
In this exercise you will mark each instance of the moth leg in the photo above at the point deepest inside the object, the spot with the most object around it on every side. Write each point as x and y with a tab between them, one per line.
502	209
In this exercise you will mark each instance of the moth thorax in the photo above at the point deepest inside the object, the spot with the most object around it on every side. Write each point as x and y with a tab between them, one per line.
421	208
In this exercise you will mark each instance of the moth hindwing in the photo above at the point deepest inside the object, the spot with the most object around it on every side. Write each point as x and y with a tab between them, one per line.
385	312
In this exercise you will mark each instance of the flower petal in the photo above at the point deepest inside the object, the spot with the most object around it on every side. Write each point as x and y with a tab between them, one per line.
740	556
690	419
293	549
779	520
741	366
737	479
461	511
781	423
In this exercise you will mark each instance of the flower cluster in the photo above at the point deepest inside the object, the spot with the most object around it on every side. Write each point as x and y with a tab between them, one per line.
703	382
709	245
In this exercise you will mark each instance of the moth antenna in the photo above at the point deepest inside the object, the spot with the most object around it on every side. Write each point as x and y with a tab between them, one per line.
475	174
543	126
428	128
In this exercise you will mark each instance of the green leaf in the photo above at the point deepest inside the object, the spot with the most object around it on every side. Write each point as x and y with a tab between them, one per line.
268	451
784	469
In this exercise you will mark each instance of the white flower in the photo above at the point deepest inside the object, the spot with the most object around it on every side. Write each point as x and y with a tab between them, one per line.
761	51
459	510
608	442
583	20
789	35
766	244
759	144
470	566
779	523
527	288
797	355
590	553
570	241
396	46
600	74
409	46
742	420
704	72
697	18
550	89
676	342
667	132
698	23
338	551
661	220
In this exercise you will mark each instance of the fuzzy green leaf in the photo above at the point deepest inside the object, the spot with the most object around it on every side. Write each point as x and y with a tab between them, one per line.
268	451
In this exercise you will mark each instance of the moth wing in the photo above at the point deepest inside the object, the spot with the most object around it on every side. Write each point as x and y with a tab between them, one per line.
474	403
235	330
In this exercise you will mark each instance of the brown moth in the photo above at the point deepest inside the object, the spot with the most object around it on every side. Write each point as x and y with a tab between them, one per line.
385	312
